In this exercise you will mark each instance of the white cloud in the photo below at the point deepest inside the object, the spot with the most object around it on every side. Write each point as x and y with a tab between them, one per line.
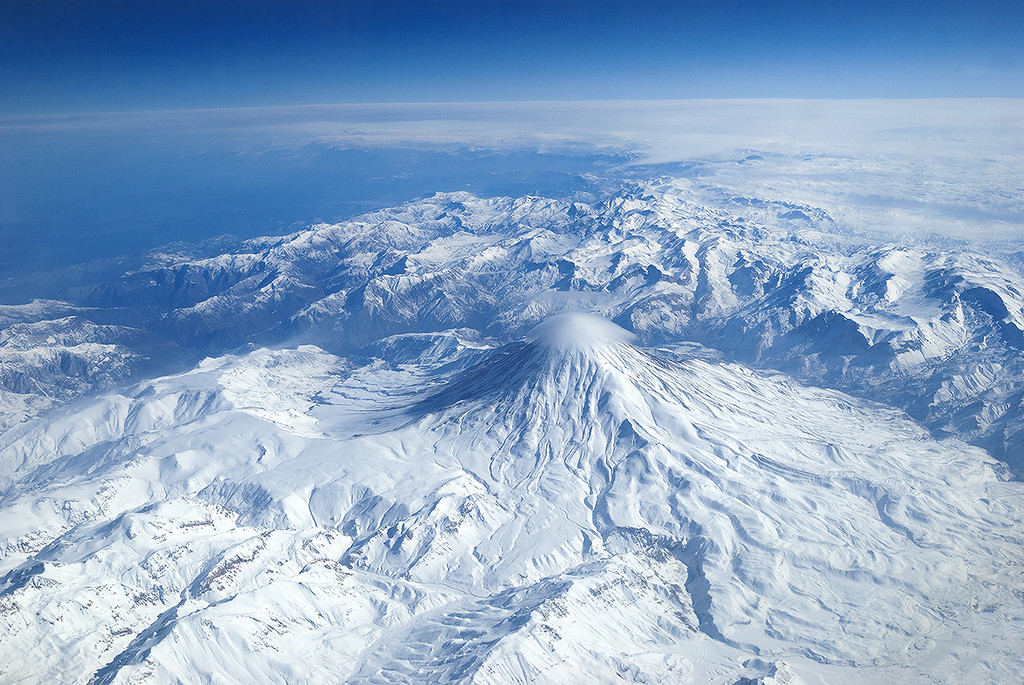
952	166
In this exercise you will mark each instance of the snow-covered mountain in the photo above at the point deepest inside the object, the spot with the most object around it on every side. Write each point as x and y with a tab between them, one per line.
932	328
45	361
564	506
403	461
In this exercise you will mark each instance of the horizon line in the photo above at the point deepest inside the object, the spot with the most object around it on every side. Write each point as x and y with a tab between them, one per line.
9	116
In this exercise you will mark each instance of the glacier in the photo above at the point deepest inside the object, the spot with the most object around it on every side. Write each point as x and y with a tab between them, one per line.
639	434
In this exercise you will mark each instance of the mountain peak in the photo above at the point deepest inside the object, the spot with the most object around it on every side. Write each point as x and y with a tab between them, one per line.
578	331
562	356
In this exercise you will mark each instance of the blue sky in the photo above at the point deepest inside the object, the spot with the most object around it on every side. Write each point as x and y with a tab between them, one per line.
113	55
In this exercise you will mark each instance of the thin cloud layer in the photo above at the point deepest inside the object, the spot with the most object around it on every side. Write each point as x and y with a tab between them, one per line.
951	166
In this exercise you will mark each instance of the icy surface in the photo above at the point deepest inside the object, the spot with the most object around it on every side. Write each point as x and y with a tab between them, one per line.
647	436
564	506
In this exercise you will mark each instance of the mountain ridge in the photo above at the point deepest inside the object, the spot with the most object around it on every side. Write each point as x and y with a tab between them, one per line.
522	440
774	285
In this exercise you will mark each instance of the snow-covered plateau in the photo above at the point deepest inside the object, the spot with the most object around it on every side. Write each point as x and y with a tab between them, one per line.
638	435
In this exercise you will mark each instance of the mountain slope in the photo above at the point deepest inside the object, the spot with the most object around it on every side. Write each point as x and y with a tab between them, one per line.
565	505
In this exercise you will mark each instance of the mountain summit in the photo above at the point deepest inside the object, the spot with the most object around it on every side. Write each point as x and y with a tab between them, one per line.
578	331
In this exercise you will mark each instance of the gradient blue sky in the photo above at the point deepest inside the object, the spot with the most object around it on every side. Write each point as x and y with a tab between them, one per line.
114	55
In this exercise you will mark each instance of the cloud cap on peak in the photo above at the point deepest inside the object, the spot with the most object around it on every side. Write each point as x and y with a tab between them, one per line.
578	330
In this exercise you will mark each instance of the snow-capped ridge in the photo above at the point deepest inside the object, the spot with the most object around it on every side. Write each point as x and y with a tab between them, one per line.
768	283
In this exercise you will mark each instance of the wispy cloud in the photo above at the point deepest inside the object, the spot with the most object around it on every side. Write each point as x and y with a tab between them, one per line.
948	165
660	130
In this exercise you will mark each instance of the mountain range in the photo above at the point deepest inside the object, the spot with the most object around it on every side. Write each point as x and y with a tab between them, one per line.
629	435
